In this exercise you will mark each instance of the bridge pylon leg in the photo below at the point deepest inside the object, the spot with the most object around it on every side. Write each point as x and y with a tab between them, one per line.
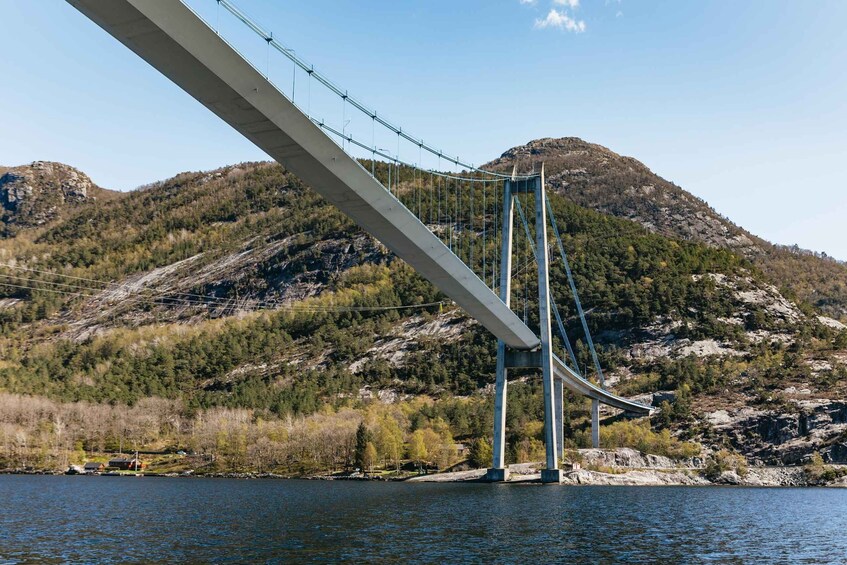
552	474
498	470
595	423
559	412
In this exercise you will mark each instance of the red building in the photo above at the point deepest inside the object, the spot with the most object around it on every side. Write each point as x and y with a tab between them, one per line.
127	464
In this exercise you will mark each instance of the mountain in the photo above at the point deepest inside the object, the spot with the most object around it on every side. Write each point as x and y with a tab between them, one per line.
597	178
34	194
212	293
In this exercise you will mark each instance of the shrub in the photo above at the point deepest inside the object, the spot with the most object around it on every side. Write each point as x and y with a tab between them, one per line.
818	473
572	456
841	340
725	460
638	435
530	449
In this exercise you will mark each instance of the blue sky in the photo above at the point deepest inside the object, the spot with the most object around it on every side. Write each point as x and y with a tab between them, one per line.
742	103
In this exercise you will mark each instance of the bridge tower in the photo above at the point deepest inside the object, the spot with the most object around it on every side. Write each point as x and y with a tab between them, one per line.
541	358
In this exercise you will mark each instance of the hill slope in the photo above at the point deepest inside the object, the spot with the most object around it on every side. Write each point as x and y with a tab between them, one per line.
241	289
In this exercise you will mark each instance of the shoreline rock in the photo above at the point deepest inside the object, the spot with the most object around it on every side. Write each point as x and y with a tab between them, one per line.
607	467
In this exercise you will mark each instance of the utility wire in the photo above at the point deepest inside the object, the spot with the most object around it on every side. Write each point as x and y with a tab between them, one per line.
90	291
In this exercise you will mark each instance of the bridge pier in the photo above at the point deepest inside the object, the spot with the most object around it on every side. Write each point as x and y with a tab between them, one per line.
542	358
595	423
498	471
559	412
552	436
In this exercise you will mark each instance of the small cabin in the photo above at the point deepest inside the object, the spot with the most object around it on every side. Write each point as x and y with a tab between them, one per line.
126	464
93	467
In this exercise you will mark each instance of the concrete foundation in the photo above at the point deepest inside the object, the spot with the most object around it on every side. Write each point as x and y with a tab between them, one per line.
552	476
497	475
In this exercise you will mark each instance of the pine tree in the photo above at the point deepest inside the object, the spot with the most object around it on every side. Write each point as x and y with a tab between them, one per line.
363	437
481	454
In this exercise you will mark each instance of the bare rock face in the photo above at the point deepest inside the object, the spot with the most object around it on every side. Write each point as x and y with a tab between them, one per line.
628	458
728	478
624	457
34	194
788	437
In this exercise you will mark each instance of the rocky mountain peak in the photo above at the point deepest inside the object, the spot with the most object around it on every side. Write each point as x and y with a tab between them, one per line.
596	177
34	194
550	147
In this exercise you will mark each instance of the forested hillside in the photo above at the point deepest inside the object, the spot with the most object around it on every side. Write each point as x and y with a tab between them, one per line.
238	296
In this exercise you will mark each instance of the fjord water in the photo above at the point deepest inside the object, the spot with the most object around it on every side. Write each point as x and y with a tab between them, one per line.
105	519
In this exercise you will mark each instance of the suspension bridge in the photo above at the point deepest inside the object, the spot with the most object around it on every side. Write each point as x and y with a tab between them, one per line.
451	221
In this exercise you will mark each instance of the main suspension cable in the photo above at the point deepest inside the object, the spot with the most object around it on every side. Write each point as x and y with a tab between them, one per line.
338	91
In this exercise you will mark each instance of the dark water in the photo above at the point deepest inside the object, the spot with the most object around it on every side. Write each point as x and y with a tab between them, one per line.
106	519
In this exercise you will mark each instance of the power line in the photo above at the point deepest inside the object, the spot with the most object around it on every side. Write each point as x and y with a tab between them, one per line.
88	291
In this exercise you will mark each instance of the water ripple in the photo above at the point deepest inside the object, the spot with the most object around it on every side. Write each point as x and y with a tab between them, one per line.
99	519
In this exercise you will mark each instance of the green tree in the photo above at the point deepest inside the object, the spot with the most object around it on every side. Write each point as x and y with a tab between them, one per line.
439	444
417	448
389	440
481	454
363	438
369	458
841	340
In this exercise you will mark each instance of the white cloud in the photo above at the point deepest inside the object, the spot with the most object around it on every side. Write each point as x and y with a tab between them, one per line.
560	20
531	2
572	4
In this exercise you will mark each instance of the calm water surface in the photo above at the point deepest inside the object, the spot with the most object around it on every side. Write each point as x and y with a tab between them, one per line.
111	519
